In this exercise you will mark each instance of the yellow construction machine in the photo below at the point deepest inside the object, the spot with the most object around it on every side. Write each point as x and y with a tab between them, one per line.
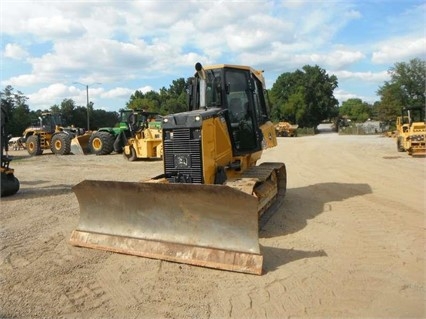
146	141
285	129
411	131
48	133
205	208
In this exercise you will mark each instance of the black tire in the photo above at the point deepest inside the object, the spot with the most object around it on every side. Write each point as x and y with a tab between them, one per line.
399	146
33	145
132	157
101	143
61	144
119	143
9	184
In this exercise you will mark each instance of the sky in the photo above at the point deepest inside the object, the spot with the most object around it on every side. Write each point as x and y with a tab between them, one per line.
53	50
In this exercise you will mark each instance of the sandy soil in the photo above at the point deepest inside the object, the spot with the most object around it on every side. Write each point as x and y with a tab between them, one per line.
347	241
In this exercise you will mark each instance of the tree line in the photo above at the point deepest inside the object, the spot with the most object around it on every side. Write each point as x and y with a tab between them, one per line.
304	97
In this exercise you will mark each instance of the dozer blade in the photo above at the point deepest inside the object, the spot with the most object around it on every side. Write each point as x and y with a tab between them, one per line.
205	225
80	144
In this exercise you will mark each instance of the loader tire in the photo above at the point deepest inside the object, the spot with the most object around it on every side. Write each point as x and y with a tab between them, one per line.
399	146
9	184
101	143
132	156
61	144
33	145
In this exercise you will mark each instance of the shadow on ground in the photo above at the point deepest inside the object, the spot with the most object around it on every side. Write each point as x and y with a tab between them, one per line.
274	257
290	215
37	190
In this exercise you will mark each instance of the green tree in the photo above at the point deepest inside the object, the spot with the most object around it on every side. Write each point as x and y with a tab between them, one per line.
149	101
356	110
405	87
304	97
166	101
17	110
102	118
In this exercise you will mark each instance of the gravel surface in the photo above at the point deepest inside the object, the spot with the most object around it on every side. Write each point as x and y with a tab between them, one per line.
347	241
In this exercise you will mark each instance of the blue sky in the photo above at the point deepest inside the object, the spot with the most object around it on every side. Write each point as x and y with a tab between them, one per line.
117	47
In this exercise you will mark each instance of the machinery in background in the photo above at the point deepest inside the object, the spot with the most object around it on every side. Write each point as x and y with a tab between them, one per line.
9	183
49	133
146	142
205	208
106	140
411	131
285	129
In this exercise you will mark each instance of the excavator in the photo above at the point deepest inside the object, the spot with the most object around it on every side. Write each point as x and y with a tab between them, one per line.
205	208
9	183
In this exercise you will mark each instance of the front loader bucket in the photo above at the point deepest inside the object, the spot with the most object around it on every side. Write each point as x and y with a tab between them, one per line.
80	144
205	225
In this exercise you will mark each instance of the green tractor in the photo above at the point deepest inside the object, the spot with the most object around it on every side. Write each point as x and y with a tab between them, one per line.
106	140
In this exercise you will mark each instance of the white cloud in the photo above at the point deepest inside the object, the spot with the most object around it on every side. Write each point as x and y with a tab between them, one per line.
14	51
145	89
343	96
151	42
53	94
400	49
377	77
23	80
118	92
336	59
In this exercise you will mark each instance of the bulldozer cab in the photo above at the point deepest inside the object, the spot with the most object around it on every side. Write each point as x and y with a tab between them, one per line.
240	91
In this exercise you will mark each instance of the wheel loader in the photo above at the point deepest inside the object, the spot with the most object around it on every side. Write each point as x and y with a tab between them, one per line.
411	131
48	133
9	183
106	140
146	141
204	209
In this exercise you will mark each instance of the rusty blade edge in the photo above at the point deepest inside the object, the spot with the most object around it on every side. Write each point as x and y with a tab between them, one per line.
193	255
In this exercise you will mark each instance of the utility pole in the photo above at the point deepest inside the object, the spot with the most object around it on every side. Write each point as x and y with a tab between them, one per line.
87	101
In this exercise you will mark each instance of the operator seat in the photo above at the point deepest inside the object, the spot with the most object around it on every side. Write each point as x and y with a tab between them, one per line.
236	110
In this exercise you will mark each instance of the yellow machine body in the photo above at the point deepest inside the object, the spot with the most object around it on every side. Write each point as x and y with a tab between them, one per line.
145	144
411	131
205	208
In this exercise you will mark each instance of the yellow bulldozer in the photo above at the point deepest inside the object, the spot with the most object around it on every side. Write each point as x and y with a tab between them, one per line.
411	131
48	133
146	140
205	208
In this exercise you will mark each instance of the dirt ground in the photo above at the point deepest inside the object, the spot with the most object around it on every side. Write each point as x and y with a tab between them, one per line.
347	242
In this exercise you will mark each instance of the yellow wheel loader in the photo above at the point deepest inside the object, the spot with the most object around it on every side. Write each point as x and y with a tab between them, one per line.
205	208
146	140
48	133
411	131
